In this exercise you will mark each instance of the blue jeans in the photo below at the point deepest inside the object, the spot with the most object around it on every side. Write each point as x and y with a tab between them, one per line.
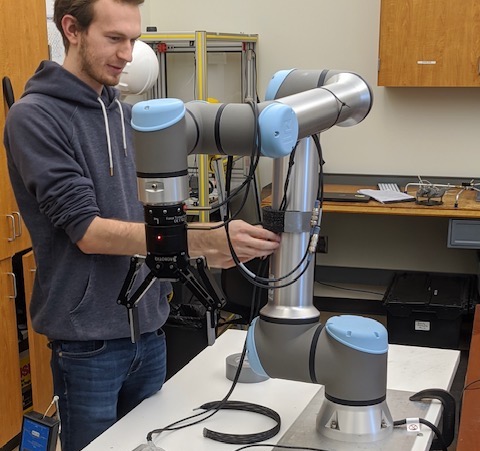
98	382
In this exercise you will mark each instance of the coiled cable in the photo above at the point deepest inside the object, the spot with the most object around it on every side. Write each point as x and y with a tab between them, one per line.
242	439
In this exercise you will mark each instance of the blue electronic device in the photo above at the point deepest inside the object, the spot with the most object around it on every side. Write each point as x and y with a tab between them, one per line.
39	432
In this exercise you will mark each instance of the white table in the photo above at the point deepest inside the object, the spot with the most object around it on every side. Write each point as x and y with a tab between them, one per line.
409	369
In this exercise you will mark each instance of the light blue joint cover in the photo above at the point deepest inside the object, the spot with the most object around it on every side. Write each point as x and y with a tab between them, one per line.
278	126
253	359
156	114
275	83
360	333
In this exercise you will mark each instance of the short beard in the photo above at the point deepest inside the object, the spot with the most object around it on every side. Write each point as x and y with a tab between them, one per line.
88	66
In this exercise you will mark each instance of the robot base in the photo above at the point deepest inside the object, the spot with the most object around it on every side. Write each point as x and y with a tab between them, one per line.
354	424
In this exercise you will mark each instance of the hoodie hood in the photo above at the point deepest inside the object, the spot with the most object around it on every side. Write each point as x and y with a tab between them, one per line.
54	81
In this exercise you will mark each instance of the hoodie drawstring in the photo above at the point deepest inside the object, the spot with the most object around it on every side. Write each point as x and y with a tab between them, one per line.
107	131
124	136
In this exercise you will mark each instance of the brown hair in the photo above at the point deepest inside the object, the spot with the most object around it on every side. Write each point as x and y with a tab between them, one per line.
82	10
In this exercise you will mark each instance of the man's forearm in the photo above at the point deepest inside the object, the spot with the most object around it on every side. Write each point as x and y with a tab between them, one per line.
113	237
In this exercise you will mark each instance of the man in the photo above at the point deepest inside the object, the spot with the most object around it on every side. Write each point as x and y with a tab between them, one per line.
71	164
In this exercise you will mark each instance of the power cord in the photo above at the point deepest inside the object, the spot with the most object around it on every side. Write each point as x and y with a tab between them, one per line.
355	290
270	445
426	423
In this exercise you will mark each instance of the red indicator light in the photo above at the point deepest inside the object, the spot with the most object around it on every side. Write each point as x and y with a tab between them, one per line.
159	237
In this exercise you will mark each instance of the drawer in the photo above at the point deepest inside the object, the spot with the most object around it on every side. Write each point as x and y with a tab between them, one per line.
464	233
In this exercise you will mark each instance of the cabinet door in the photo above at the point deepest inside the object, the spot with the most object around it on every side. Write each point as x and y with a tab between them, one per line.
41	376
10	389
7	228
429	43
23	44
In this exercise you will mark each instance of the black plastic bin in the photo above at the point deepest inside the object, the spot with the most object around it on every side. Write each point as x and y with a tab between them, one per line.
185	330
425	309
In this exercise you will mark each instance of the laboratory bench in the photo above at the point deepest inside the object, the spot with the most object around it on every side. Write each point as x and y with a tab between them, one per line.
410	369
468	205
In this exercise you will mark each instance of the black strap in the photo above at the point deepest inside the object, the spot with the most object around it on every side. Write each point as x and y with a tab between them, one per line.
313	352
197	128
273	220
217	129
321	79
8	91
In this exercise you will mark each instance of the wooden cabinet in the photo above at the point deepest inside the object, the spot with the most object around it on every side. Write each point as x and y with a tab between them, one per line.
11	406
10	388
14	236
41	376
429	43
23	44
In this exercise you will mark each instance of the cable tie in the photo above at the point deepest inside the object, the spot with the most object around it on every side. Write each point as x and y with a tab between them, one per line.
250	273
413	425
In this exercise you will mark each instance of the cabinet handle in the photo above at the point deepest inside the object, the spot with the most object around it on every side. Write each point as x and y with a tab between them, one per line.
14	279
14	235
18	229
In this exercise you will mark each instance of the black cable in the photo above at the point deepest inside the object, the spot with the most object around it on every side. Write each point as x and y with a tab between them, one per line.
258	281
350	289
254	160
291	162
176	425
228	185
283	206
469	385
321	162
273	445
430	425
265	283
342	105
242	439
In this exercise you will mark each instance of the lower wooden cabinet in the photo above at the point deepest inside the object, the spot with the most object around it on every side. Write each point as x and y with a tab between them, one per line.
41	376
12	370
10	389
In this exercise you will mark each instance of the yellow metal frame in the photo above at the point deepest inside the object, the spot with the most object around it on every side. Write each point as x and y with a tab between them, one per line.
200	42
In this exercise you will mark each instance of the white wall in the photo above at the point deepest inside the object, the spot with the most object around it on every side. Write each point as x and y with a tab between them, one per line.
410	131
425	131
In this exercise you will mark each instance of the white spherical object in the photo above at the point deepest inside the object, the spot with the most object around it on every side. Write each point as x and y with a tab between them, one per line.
141	74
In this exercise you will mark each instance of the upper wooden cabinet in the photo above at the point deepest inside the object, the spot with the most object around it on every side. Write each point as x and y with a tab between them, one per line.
23	44
429	43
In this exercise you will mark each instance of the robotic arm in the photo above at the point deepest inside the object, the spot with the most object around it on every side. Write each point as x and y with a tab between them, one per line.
349	354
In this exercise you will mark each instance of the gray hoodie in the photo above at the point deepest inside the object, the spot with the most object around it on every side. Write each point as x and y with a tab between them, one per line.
70	159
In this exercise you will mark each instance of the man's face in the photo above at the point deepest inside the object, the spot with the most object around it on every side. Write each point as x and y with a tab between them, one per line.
106	47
